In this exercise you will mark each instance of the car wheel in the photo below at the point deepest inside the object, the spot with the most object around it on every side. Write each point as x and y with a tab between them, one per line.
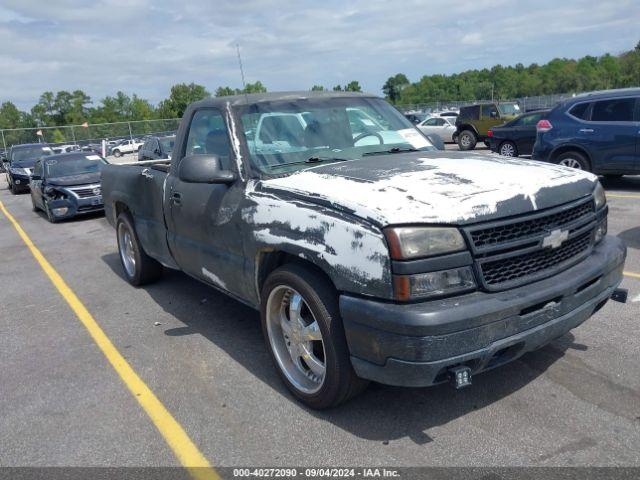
139	268
574	160
303	330
14	190
508	149
116	153
467	140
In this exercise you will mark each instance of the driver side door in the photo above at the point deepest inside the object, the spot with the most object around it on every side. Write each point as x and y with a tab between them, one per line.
203	220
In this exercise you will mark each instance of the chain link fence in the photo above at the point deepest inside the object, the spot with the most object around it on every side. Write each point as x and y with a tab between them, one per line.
526	103
87	134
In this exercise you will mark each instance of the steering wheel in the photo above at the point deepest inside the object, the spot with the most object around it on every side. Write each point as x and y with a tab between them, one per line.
368	134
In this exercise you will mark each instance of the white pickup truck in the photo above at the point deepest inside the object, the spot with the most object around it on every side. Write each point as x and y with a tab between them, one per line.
127	146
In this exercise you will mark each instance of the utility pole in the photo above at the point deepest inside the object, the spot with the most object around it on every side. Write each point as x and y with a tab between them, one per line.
3	142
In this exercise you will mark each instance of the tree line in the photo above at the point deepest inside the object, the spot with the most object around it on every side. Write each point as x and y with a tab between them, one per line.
560	75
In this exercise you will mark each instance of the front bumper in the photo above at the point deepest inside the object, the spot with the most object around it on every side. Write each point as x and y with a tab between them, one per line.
416	344
77	206
21	182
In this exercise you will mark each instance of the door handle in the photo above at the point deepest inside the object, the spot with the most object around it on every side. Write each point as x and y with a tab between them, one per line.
586	130
146	173
176	198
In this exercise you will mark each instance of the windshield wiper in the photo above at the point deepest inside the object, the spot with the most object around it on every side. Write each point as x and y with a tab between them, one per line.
392	150
311	160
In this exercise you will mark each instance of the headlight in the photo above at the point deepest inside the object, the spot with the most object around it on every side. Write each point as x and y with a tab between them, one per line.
599	196
406	243
432	284
19	171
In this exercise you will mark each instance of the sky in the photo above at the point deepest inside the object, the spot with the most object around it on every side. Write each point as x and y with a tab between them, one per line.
145	46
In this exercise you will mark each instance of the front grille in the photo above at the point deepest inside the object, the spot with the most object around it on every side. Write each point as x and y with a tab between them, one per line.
514	268
510	253
529	228
86	192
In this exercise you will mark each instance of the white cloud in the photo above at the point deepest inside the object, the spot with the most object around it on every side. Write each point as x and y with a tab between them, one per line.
146	46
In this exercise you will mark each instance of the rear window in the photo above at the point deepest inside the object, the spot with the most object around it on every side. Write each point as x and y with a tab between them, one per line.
469	113
614	110
580	111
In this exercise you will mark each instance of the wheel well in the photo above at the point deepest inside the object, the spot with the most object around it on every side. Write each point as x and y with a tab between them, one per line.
268	261
570	148
466	126
120	207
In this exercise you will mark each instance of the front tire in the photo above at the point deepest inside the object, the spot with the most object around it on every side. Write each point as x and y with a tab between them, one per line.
508	149
139	268
117	153
467	140
50	216
303	330
575	160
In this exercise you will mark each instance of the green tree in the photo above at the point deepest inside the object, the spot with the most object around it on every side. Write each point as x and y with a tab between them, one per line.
337	88
393	87
317	88
353	86
180	97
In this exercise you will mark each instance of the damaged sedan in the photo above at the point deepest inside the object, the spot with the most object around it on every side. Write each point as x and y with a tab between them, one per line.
370	254
67	184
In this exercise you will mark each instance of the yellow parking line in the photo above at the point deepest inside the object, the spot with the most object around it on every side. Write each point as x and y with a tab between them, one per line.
175	436
614	195
632	274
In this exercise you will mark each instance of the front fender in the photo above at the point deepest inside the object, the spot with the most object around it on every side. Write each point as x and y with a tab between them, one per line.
352	253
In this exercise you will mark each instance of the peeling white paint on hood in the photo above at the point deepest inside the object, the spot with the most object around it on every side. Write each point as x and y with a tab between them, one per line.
413	188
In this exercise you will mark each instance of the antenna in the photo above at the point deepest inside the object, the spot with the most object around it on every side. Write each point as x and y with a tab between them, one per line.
244	84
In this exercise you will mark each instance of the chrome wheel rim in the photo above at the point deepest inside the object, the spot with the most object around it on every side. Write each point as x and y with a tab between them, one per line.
127	251
465	140
507	150
571	162
295	339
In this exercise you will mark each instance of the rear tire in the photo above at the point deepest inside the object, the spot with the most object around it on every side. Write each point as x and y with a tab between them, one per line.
326	351
508	149
467	140
573	159
139	268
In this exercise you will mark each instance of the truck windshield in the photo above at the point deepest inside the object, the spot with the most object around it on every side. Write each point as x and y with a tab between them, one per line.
73	166
284	136
509	109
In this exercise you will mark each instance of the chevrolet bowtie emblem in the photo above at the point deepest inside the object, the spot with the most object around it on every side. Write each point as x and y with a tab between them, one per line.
555	238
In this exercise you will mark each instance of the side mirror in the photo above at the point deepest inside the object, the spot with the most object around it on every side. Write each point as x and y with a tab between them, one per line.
436	141
204	169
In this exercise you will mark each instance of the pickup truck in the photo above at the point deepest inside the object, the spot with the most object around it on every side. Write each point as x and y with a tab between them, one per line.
384	260
126	146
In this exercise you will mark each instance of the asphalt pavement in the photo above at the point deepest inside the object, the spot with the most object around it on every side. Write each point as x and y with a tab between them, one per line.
575	402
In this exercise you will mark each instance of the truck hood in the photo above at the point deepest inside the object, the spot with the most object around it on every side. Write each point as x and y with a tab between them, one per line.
436	187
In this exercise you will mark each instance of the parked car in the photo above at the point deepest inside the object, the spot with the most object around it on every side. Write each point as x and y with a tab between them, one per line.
416	118
449	114
474	121
443	127
597	132
155	148
22	158
389	261
64	148
67	184
516	137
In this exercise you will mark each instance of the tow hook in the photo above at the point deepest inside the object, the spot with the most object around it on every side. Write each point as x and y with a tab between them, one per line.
460	377
620	295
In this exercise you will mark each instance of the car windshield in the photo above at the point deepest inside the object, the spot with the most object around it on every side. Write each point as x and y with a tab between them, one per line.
287	135
73	166
167	144
509	109
27	157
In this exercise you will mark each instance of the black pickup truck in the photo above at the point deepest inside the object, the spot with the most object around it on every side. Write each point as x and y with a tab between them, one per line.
370	254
